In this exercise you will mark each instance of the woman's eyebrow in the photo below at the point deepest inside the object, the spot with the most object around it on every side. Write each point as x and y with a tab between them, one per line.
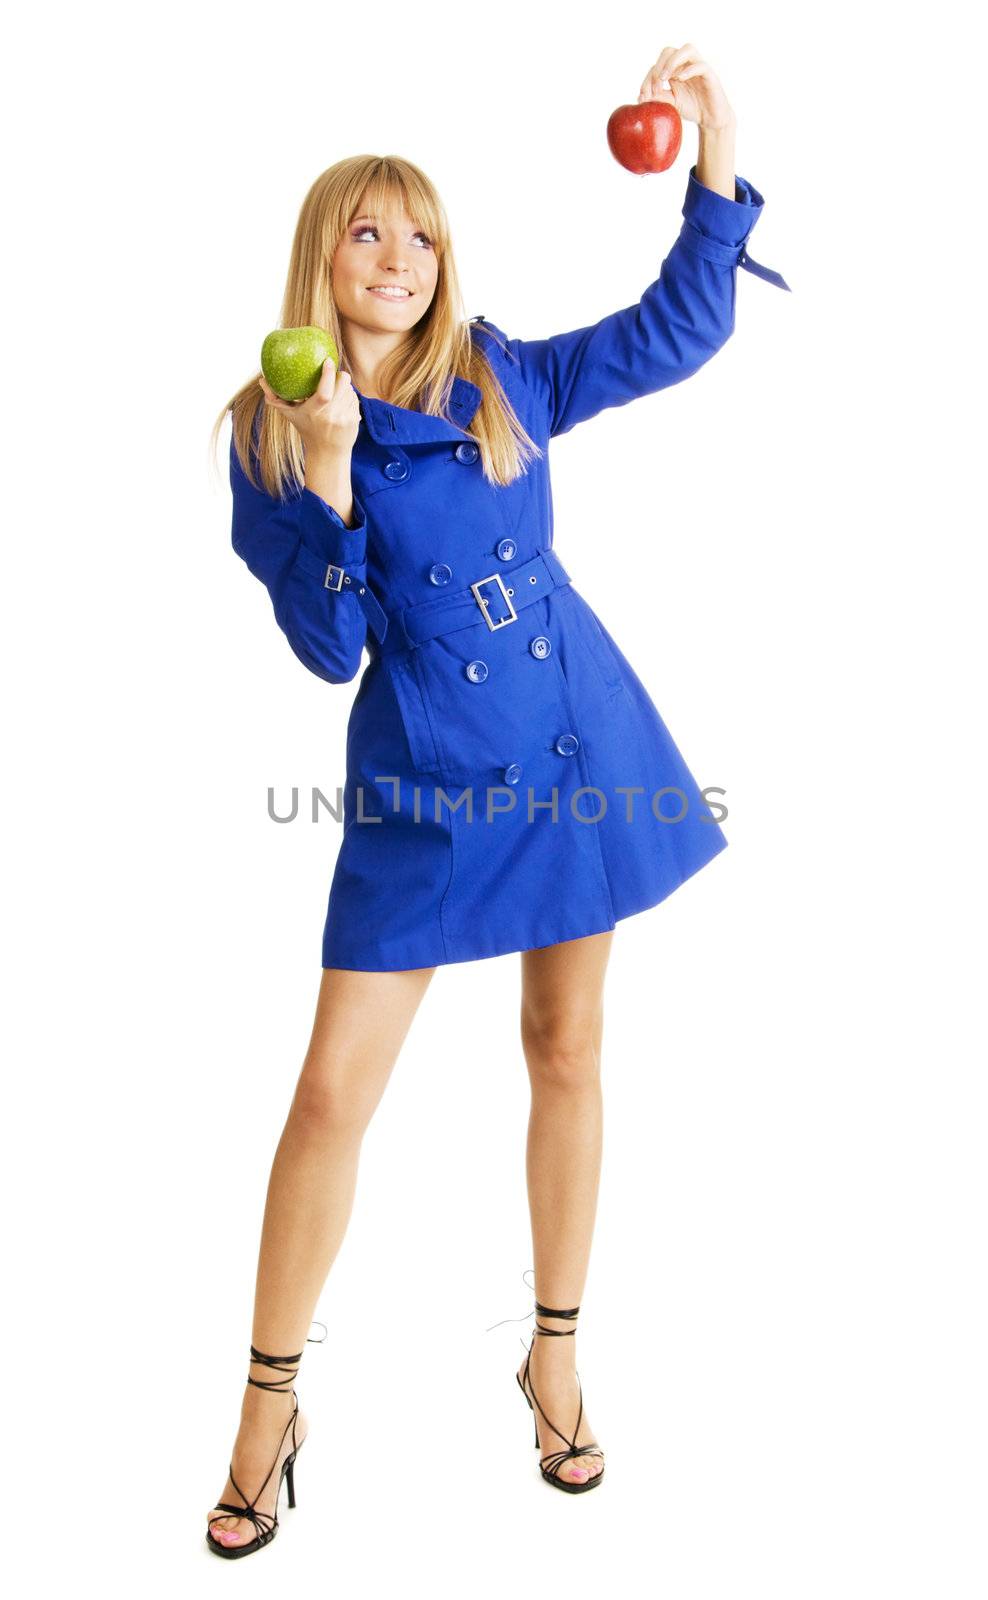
366	219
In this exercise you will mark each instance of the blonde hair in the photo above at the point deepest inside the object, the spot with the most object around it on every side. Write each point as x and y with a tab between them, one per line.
419	373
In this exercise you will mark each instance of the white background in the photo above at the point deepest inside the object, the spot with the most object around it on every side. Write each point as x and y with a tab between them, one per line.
783	1329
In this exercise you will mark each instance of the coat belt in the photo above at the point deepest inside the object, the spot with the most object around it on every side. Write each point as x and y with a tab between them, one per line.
529	581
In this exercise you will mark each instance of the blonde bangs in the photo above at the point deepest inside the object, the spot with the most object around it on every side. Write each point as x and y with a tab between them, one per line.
391	189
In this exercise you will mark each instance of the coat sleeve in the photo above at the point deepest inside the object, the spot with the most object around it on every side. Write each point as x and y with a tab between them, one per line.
315	570
682	319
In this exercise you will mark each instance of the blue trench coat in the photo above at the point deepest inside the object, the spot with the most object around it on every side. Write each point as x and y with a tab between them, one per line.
509	782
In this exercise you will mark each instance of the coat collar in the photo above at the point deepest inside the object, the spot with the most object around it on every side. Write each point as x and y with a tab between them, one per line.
390	424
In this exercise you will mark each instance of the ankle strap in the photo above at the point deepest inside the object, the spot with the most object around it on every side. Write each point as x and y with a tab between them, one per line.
286	1364
547	1311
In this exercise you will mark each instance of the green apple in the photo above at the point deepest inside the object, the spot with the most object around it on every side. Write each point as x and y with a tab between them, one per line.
292	360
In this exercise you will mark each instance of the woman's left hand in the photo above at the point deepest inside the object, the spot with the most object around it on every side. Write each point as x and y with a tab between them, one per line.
694	88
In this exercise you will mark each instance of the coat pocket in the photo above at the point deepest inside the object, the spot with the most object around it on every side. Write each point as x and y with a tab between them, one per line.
505	713
403	673
600	651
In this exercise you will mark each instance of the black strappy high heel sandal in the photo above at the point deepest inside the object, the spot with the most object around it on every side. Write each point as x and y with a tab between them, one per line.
550	1464
265	1522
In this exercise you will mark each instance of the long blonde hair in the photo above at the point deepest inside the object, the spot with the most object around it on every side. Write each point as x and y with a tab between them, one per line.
419	373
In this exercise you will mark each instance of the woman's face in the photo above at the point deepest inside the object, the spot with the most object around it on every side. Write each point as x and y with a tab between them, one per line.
378	253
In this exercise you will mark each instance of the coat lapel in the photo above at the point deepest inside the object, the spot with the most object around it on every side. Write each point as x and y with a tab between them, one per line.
394	425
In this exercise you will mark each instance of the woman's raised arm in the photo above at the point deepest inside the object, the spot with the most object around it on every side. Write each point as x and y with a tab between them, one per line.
687	314
681	320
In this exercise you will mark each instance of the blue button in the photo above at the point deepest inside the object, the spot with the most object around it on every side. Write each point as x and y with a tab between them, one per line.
440	573
396	470
477	671
506	549
512	773
467	452
567	744
540	646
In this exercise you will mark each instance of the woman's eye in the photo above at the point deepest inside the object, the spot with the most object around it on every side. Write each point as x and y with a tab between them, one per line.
371	229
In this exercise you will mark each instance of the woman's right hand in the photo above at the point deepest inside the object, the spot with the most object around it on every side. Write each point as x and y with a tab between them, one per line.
329	419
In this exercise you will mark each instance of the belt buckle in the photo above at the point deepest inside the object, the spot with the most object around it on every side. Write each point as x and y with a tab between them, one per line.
495	577
329	583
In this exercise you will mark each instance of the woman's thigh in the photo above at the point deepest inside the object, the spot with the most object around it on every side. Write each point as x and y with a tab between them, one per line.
562	1001
361	1021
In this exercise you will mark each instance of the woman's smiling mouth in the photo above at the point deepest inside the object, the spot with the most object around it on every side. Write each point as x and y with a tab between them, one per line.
392	292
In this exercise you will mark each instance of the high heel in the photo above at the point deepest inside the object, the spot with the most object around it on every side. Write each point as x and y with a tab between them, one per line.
265	1522
550	1464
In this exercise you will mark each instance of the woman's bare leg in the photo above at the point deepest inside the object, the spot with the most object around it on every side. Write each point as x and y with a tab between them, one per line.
361	1022
562	1024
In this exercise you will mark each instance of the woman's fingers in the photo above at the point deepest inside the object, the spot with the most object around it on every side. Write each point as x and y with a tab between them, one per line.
321	411
327	380
658	72
679	58
651	81
693	70
669	63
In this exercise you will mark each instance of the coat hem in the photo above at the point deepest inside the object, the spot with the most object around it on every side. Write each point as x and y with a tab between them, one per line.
510	948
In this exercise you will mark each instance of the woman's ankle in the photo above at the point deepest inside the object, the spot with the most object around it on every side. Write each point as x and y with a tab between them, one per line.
265	1405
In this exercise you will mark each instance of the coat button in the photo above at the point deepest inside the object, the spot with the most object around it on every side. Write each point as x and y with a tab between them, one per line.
567	744
506	549
540	647
440	573
396	470
467	452
477	671
512	773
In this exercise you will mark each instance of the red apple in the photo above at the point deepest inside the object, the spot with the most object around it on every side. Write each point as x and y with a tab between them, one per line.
645	137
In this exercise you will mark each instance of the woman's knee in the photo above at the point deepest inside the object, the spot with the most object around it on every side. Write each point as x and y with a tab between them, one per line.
336	1097
562	1052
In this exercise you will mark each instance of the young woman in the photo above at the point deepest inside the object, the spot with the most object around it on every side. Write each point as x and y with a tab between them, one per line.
510	785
